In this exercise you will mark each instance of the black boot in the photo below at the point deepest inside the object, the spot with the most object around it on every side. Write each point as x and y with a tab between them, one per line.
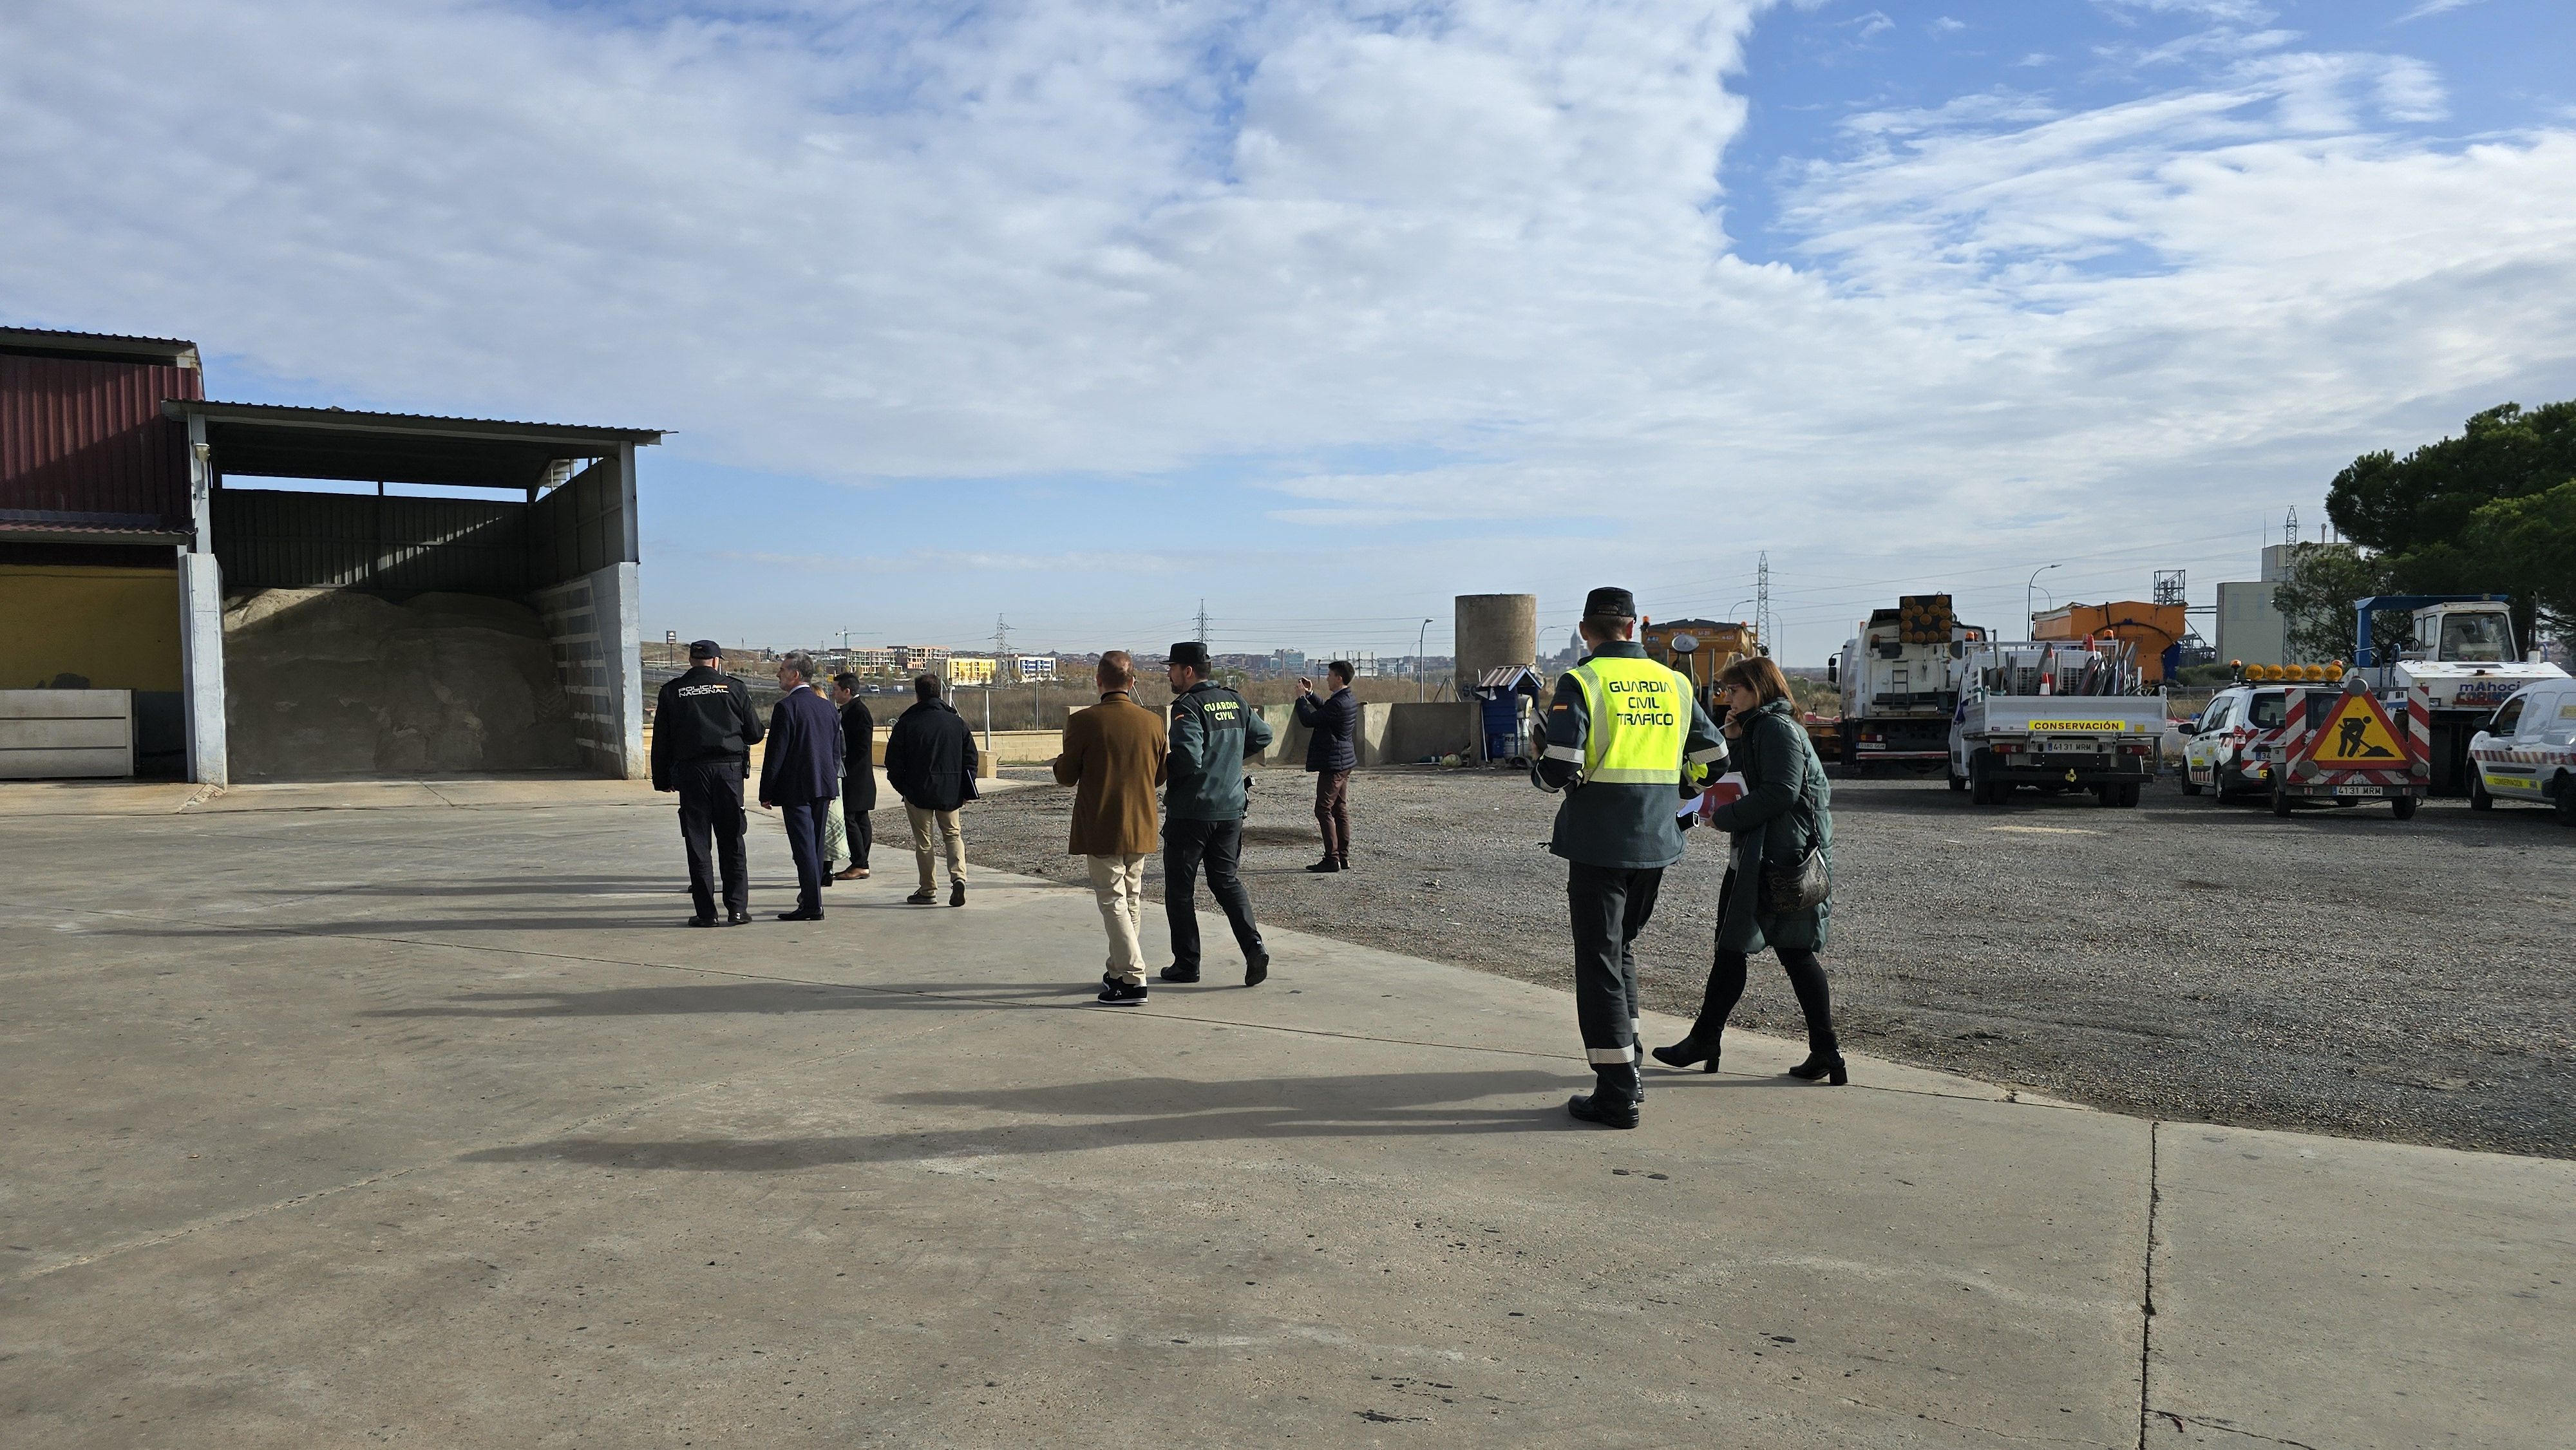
1690	1050
1823	1062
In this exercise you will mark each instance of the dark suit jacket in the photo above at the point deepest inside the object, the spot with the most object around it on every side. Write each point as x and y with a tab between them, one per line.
858	752
804	759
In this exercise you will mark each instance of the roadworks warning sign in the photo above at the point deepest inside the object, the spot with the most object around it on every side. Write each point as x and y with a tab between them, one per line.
2357	733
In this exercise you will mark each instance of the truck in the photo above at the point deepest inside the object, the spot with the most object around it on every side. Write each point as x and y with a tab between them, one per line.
1699	650
1899	677
2459	664
2054	716
2297	734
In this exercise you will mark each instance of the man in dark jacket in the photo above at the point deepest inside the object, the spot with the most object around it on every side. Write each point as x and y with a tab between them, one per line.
801	775
1332	752
1213	733
1626	743
858	772
930	762
703	731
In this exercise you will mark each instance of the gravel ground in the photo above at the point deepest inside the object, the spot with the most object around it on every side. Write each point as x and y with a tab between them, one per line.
2337	972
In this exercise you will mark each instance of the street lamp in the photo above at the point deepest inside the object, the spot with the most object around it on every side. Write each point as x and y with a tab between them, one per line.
1419	636
2030	621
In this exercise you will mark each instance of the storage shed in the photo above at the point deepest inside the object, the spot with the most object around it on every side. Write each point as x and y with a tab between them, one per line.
158	542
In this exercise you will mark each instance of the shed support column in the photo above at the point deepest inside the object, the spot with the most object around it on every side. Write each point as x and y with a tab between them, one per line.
201	623
617	601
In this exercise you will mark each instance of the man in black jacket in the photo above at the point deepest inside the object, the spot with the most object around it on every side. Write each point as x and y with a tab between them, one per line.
703	731
930	762
800	774
1332	752
858	772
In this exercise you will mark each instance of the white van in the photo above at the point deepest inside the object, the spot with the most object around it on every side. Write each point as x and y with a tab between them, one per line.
2528	751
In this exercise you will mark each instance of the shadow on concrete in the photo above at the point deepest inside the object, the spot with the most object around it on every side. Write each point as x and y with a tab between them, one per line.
1152	1111
757	999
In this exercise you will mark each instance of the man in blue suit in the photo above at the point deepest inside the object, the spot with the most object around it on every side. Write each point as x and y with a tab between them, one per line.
800	775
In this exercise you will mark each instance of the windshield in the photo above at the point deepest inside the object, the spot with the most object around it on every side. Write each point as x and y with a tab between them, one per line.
2475	638
2266	711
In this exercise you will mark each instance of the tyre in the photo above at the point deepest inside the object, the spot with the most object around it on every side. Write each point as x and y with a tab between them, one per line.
2106	796
2566	799
2129	795
2404	806
2189	785
2280	799
1983	788
2479	800
1958	782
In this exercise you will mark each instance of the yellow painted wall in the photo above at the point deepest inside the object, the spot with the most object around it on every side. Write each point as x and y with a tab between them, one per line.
119	627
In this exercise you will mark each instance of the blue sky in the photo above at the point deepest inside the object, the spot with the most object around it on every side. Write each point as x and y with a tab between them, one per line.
1078	313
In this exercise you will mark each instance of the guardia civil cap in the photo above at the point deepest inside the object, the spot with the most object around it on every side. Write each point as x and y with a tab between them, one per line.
1609	603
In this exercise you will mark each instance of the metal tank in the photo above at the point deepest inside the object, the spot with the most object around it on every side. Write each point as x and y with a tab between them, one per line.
1493	630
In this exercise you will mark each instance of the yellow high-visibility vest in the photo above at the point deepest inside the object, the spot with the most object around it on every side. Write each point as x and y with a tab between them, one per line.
1640	715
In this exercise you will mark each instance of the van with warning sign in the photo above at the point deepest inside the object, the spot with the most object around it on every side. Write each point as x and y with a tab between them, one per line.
2528	752
2342	745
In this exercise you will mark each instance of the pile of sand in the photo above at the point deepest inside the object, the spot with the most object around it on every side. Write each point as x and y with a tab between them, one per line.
333	682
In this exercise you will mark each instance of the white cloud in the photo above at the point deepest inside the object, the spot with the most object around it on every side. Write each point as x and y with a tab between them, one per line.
1103	239
2434	7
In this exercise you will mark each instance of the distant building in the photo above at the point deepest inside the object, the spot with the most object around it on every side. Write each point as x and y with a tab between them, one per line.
970	669
920	658
1288	661
874	662
1036	667
2251	627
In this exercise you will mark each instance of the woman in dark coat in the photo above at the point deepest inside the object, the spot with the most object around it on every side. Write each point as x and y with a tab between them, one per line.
1785	806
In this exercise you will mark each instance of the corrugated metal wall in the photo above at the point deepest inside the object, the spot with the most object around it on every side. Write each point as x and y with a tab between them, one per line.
280	540
578	527
87	438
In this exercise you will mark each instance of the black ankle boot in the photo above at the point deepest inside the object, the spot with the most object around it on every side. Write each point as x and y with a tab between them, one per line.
1688	1051
1824	1062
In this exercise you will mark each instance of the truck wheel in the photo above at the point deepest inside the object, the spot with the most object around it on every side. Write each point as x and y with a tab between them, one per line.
2404	806
2104	795
2129	795
1982	786
1958	782
2280	799
2479	800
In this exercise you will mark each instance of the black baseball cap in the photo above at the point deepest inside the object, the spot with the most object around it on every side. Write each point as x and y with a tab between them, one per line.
1609	603
1192	653
704	649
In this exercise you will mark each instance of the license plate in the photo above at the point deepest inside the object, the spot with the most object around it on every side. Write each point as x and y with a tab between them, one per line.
2361	790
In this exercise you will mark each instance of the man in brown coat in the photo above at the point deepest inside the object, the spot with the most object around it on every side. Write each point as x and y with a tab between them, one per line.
1113	758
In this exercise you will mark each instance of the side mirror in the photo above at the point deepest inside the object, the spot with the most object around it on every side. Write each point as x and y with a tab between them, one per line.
2188	727
1833	669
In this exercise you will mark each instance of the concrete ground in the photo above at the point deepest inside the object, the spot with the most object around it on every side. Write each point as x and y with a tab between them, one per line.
421	1124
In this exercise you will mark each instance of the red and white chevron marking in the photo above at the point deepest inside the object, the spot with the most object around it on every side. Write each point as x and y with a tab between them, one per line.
2300	739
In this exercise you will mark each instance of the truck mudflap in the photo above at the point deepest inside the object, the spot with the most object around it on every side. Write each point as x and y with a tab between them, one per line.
2346	747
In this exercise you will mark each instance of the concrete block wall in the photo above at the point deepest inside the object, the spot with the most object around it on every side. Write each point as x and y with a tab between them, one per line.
594	624
1434	727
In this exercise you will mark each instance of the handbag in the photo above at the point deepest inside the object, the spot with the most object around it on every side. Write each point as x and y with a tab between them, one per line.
1805	886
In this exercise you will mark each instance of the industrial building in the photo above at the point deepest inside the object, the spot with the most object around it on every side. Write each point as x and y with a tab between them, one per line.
166	555
2251	627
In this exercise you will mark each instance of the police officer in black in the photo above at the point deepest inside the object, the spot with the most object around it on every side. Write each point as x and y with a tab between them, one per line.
703	731
1627	744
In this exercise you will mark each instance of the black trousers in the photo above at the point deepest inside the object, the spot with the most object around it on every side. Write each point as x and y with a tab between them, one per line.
711	803
1609	906
856	804
1726	988
805	842
1217	845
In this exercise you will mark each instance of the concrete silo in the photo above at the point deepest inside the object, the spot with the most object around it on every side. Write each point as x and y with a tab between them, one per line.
1492	630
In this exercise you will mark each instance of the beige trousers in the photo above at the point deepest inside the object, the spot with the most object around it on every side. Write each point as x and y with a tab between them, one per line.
1118	883
951	834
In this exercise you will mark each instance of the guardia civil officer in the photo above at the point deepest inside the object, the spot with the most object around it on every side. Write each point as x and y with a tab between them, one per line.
1626	742
703	731
1213	733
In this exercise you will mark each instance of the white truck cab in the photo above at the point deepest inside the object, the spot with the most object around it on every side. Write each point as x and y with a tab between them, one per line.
2528	751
